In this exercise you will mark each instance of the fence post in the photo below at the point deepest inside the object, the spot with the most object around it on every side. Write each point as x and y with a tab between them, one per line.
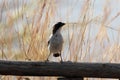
81	78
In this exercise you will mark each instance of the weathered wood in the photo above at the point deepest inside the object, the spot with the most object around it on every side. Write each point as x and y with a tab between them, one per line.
66	69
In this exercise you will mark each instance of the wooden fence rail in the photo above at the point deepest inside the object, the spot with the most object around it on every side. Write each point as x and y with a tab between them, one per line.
65	69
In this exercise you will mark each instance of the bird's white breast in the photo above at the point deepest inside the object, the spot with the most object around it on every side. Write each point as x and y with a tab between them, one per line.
56	43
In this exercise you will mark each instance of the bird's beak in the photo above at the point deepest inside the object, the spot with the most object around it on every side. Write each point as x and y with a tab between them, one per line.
63	24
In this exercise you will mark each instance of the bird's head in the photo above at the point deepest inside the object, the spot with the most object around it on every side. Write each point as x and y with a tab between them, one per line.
57	27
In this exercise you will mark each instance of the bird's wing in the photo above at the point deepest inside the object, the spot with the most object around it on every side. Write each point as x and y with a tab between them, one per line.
49	40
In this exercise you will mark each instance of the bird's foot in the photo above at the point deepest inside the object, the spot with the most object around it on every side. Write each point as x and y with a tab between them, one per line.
47	60
61	61
27	59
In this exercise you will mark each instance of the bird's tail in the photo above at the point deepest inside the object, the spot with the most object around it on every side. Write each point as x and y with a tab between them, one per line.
56	54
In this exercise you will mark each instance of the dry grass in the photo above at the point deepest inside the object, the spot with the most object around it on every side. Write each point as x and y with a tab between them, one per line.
25	27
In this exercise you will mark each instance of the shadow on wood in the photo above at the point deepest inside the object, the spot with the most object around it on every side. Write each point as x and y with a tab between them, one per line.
65	69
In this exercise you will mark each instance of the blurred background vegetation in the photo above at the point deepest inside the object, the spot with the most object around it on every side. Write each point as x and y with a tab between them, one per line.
91	34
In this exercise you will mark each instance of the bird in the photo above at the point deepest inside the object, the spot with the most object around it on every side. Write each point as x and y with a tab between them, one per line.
55	43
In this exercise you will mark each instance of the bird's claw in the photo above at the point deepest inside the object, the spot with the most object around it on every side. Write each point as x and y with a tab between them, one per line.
47	60
61	61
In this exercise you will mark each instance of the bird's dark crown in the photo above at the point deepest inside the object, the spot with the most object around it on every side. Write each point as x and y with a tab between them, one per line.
57	26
